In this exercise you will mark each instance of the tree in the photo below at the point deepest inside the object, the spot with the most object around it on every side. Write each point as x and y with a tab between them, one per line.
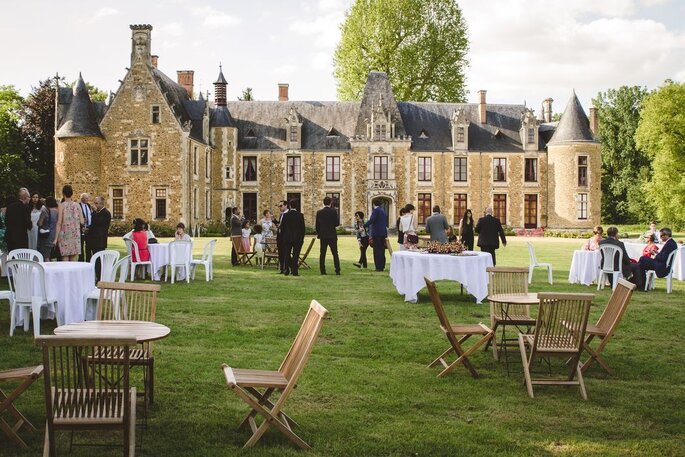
96	95
10	133
420	44
14	174
247	95
624	167
661	134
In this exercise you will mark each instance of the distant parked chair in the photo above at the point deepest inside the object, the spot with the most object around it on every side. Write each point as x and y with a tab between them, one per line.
270	252
25	254
206	261
609	256
180	253
650	278
27	376
26	275
132	248
243	255
535	264
303	257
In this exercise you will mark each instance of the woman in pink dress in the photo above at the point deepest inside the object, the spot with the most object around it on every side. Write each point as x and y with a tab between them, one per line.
69	222
139	236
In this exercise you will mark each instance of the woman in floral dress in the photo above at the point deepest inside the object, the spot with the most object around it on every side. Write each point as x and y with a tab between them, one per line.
69	221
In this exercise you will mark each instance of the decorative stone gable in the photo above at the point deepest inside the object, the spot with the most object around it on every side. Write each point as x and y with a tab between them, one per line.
381	127
460	130
141	43
529	131
293	130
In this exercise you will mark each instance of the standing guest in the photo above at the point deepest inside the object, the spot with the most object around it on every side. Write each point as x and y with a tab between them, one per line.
400	233
378	223
85	227
327	220
69	223
236	230
466	229
408	226
245	232
180	233
292	225
36	211
282	266
18	222
362	239
267	223
437	226
630	271
99	228
48	229
3	243
592	244
658	263
490	231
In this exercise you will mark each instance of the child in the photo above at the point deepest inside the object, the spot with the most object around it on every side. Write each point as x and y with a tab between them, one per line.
246	236
258	243
181	232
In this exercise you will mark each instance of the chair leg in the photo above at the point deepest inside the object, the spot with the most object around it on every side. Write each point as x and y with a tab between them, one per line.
530	273
13	318
581	381
35	311
526	367
441	358
549	275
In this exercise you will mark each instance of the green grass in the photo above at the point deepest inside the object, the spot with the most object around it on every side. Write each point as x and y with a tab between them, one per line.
366	389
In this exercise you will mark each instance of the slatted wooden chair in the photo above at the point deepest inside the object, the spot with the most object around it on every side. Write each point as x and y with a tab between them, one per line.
90	395
244	257
27	376
388	246
507	280
303	257
247	383
606	325
270	252
559	332
133	302
456	335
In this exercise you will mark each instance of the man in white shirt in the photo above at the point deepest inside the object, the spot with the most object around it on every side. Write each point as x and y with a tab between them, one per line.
87	219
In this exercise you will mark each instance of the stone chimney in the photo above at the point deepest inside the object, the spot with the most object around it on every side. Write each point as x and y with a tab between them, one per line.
547	110
141	43
482	108
594	121
185	79
283	92
153	60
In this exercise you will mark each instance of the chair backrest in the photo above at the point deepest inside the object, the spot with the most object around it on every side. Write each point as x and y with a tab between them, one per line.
25	254
437	304
120	269
608	256
22	276
107	260
270	245
507	280
388	245
670	262
299	352
127	301
237	241
81	386
531	254
561	322
180	252
618	302
132	248
309	248
208	251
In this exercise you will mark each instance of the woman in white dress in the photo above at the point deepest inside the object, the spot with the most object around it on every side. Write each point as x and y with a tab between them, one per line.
408	225
267	224
36	210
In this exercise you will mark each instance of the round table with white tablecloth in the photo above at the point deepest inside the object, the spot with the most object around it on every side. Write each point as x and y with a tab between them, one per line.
159	256
408	269
584	267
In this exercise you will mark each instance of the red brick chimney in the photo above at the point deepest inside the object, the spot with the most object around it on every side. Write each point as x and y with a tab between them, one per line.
482	108
185	79
153	60
283	92
594	120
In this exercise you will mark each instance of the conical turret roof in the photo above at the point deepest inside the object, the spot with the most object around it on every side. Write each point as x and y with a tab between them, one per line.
80	119
220	79
574	125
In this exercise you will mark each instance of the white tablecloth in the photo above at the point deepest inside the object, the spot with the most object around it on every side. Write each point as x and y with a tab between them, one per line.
634	250
584	267
159	256
408	268
68	283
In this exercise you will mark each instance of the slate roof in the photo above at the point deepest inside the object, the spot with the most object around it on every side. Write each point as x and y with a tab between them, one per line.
220	117
79	118
184	108
377	86
574	126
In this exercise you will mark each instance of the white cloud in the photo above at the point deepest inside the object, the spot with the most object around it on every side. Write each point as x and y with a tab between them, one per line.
325	28
172	29
654	2
284	70
214	18
103	13
321	61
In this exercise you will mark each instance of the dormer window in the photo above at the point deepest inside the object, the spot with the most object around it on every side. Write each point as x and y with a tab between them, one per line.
460	130
293	130
424	134
154	114
460	134
529	131
381	127
250	134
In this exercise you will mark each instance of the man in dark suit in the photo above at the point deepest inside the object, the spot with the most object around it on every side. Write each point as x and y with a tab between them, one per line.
292	232
96	240
490	231
628	269
378	228
658	263
282	208
327	220
236	230
18	222
87	221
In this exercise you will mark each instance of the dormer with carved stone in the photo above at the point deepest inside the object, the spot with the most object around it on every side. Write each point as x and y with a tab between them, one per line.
293	130
529	131
460	130
381	127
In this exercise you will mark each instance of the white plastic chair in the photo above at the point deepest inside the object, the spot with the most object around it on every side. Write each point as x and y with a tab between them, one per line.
180	252
132	248
9	296
25	254
535	264
650	277
120	270
606	268
107	260
206	260
23	288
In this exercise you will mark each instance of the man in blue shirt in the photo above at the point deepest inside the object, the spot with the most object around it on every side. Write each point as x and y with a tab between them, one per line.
378	228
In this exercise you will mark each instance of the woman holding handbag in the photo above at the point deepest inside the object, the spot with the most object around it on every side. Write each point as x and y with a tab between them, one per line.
408	227
47	228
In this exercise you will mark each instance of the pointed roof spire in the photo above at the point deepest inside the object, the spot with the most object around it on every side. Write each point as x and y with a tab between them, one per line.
220	79
80	119
220	88
574	125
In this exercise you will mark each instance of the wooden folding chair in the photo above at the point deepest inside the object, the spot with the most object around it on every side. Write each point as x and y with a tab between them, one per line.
559	332
606	325
27	376
270	252
452	332
87	392
507	280
243	255
132	302
246	383
303	257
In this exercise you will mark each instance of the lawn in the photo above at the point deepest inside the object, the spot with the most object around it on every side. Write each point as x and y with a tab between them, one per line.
367	391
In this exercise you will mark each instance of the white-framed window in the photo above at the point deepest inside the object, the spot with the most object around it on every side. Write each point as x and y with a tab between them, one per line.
161	194
380	132
499	169
332	168
293	169
581	206
582	171
425	171
138	151
460	134
460	169
155	114
380	167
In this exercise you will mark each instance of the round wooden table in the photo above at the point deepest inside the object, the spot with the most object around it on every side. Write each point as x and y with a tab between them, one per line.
515	299
142	330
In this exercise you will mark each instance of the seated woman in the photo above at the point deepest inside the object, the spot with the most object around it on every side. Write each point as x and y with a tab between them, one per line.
592	244
181	232
146	229
139	236
651	249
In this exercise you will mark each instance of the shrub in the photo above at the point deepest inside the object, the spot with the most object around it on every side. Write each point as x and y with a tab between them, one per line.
120	228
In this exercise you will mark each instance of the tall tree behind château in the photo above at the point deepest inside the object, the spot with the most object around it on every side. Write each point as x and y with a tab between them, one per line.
420	44
38	130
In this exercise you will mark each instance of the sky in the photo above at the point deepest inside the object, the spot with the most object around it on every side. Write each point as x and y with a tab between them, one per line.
521	51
